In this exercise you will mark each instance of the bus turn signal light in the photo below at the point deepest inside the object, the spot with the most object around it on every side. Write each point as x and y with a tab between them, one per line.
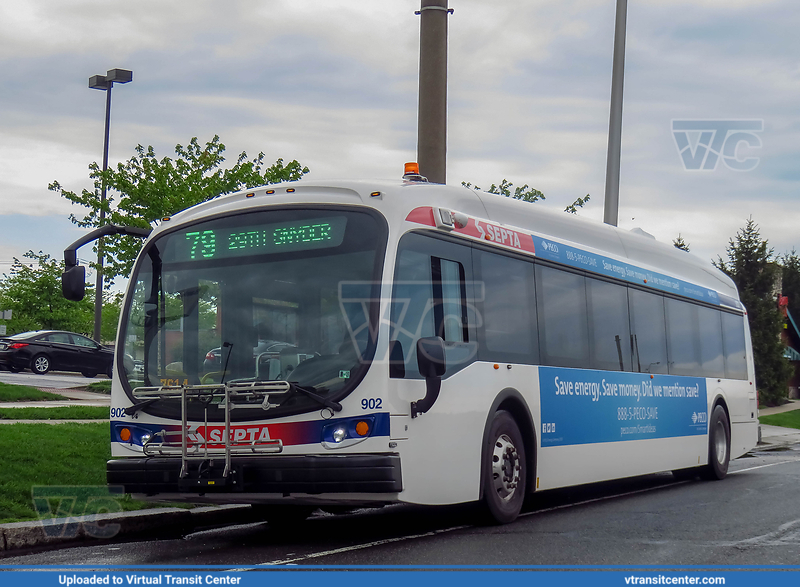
362	428
125	434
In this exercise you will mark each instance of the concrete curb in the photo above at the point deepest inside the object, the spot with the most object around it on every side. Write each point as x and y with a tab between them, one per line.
34	534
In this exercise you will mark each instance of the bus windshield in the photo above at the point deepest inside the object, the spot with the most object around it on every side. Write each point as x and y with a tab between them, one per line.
278	295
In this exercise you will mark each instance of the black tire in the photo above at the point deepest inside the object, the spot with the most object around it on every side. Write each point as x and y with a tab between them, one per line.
504	470
40	364
719	444
89	374
282	517
14	369
110	371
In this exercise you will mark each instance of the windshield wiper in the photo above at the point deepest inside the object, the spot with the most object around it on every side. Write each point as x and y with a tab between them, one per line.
130	411
310	392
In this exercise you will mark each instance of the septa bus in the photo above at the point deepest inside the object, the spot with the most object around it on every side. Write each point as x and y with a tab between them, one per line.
361	343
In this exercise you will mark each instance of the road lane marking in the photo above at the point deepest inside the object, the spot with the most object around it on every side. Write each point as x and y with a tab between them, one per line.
313	555
289	561
761	467
598	499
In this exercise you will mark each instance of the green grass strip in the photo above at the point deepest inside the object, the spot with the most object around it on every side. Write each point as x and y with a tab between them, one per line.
103	386
24	393
58	456
785	419
55	413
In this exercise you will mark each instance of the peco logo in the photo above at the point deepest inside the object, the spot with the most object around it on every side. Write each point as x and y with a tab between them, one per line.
548	246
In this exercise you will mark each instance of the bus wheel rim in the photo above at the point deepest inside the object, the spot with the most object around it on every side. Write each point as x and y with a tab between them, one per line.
505	467
720	442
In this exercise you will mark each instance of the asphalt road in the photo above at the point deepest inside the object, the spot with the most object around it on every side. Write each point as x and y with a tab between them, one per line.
752	517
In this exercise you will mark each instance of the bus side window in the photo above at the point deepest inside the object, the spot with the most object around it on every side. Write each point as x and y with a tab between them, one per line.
609	325
712	357
450	303
683	338
563	325
430	298
648	342
735	351
508	325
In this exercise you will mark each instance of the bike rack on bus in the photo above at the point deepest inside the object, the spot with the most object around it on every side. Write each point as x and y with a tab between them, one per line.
203	449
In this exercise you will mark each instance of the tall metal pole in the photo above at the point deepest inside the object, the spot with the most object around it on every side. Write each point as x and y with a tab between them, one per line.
432	114
611	209
98	294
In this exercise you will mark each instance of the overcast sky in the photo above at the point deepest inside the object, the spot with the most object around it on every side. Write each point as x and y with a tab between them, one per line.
333	84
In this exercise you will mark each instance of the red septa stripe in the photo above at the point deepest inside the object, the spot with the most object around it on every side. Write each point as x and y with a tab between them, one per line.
481	230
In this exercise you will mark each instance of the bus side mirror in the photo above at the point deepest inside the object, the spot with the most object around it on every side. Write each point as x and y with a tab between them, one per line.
430	357
432	365
73	283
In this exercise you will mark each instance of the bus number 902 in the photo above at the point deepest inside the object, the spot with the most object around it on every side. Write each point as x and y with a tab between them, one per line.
371	403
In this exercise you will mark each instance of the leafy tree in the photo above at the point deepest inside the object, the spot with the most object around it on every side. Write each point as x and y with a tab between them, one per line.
526	194
32	292
681	244
145	188
790	265
750	265
112	308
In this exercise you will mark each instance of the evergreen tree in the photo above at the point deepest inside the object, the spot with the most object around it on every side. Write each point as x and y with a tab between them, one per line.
790	265
750	265
681	244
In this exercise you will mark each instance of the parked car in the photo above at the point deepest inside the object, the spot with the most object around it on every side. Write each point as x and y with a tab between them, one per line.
45	350
213	360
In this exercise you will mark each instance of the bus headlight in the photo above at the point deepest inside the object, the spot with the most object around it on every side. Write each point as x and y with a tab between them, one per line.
131	434
347	432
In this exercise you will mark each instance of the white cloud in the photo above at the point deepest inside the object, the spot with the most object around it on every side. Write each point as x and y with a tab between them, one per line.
334	86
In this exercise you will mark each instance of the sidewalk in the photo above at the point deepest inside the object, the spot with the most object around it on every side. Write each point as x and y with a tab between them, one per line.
777	436
75	397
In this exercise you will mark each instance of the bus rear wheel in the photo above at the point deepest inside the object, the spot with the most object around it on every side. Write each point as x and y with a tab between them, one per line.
719	444
505	470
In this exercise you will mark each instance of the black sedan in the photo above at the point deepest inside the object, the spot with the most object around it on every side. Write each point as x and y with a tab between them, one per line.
45	350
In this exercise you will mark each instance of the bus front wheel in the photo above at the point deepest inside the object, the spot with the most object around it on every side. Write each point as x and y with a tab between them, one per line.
719	444
504	467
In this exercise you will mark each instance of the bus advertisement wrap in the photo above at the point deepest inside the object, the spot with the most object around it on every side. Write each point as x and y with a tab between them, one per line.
561	253
581	406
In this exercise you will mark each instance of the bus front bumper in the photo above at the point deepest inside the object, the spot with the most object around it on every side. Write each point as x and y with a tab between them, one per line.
307	474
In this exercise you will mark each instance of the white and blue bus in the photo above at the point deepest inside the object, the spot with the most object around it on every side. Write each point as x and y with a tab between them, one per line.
370	342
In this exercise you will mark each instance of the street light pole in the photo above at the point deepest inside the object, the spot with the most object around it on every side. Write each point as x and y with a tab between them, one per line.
611	209
104	82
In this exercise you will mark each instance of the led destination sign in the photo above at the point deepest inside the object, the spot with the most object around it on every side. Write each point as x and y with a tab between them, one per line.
209	242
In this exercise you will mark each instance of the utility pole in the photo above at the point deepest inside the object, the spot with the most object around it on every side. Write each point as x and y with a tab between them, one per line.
611	209
432	113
